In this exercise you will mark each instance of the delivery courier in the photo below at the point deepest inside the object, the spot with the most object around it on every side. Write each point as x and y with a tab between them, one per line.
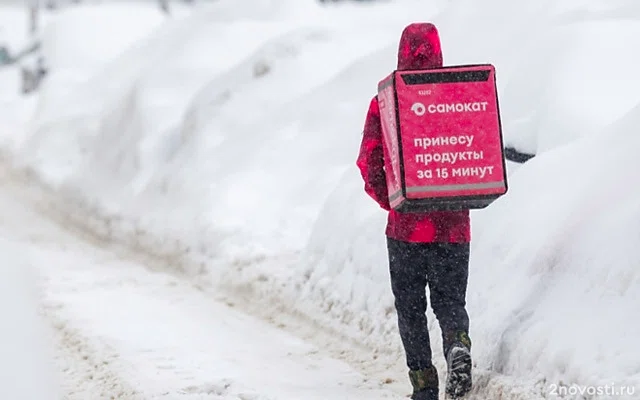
432	150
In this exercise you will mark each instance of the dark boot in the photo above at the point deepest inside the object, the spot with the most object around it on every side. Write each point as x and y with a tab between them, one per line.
458	355
425	383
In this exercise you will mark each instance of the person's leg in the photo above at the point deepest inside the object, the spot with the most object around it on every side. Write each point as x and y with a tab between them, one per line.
408	284
448	277
407	266
447	274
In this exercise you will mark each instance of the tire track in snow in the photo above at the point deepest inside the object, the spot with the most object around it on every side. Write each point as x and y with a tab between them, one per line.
85	371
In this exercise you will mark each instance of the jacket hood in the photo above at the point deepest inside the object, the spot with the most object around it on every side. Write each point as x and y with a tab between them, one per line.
419	47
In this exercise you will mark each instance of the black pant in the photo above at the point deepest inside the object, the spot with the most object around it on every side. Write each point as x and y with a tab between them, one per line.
445	268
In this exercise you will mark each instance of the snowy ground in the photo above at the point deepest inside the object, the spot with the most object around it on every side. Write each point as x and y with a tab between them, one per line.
218	148
125	329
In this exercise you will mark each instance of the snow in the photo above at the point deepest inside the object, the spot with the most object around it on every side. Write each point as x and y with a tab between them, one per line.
577	268
130	332
554	65
13	26
25	345
64	47
225	140
13	34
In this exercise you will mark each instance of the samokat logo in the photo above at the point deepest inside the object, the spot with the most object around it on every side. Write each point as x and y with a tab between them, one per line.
419	109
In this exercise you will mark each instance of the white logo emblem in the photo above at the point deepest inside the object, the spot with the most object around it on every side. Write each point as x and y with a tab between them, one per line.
419	109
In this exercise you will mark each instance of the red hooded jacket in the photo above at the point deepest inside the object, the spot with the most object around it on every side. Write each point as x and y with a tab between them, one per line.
419	49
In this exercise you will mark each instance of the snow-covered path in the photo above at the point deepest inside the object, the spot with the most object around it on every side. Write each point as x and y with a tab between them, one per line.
126	331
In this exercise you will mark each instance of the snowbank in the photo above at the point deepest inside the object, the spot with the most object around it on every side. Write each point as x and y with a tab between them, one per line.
26	368
151	135
229	138
77	44
553	285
